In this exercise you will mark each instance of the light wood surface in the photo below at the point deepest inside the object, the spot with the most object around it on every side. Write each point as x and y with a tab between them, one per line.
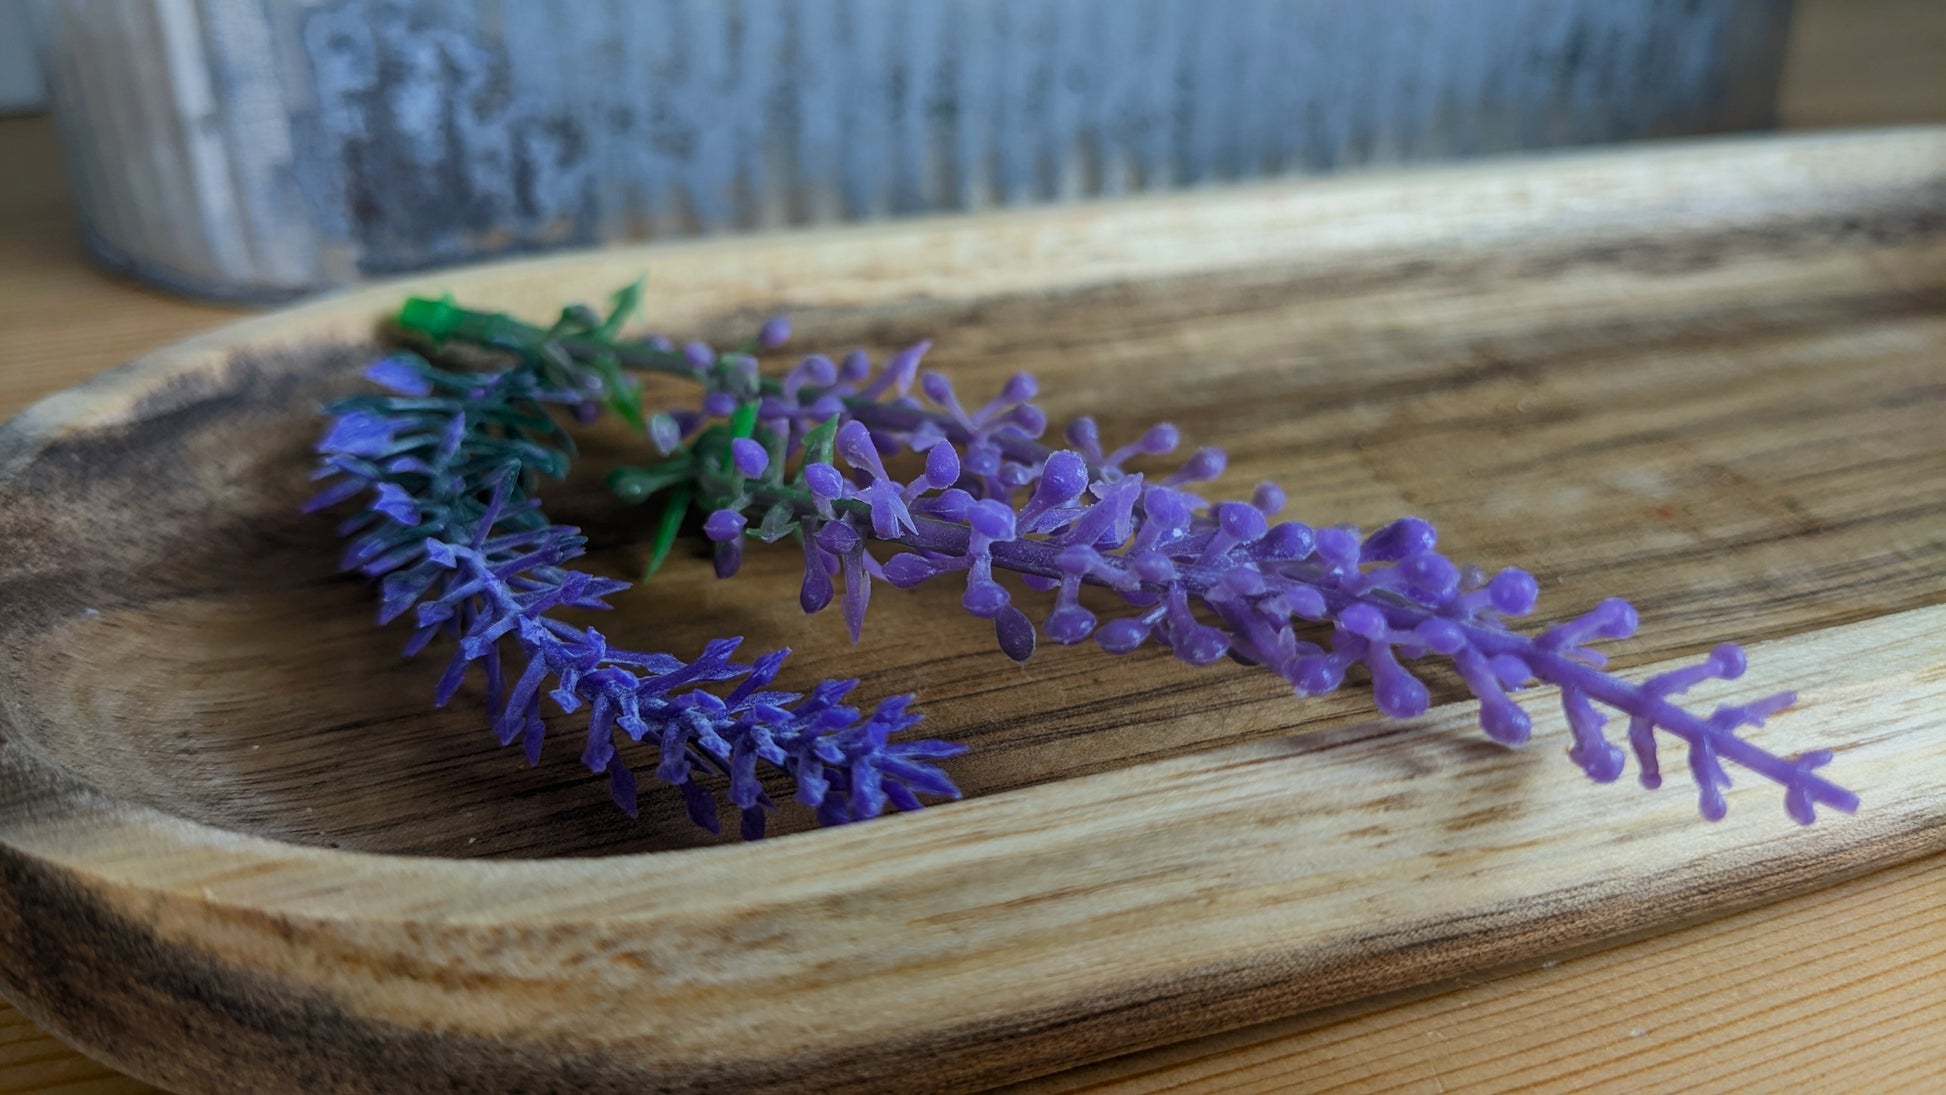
1840	989
1674	375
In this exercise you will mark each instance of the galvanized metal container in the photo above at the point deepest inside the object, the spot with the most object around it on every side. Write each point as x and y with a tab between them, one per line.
262	148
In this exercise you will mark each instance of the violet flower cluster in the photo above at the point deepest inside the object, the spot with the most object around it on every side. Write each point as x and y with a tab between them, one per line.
1207	578
445	467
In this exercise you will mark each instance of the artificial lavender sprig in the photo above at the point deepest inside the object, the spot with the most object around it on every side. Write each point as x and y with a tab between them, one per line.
807	455
446	464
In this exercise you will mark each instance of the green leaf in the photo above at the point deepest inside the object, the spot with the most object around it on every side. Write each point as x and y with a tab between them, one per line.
436	319
743	420
662	426
575	319
666	527
635	485
773	443
625	302
779	521
624	394
818	444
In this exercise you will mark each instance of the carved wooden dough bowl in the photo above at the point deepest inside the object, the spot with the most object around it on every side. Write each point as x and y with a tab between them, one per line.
241	853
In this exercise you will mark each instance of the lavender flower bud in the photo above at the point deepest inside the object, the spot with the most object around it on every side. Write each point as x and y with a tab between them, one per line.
358	434
942	466
1201	645
982	459
728	557
1030	420
815	370
1513	591
719	404
855	444
664	433
1070	624
1122	636
1063	478
1338	546
1153	566
1726	660
1403	537
1268	498
1241	523
898	372
699	355
401	374
1019	388
394	502
724	525
991	519
1155	441
774	333
855	367
824	481
1205	465
906	570
816	591
1441	636
1397	693
1160	440
936	387
749	457
1287	541
1085	436
985	599
952	504
839	538
1320	674
1431	574
1166	509
1015	633
1365	621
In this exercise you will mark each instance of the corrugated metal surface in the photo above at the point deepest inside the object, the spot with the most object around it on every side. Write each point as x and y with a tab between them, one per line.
263	147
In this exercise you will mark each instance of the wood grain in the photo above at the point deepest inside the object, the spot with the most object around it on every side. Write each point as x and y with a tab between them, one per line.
1674	375
1880	992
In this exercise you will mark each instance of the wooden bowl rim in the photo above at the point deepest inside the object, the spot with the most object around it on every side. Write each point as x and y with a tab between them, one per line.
1259	222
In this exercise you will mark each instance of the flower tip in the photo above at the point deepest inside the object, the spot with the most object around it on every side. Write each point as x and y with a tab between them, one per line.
1241	521
1160	439
1122	636
824	480
1015	633
1513	592
942	466
1727	661
1403	538
400	373
774	333
749	456
724	525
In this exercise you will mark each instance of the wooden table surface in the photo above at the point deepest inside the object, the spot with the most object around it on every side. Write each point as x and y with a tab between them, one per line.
1844	989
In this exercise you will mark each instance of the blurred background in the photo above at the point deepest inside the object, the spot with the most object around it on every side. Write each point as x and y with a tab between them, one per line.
255	150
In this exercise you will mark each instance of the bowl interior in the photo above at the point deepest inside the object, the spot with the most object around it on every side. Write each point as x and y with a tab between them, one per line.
178	633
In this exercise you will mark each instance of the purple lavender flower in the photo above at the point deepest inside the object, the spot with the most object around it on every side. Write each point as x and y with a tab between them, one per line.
453	537
1206	578
1210	580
